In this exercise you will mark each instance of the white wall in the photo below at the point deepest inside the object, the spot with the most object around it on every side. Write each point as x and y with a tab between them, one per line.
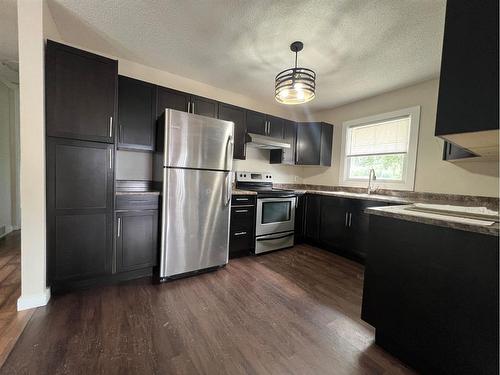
5	159
432	173
32	135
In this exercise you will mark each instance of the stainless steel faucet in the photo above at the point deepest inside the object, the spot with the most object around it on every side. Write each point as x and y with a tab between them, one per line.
371	177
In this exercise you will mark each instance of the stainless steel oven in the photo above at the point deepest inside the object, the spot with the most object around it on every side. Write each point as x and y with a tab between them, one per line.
275	216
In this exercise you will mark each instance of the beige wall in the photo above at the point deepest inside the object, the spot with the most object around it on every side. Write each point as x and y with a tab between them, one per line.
5	159
432	173
32	129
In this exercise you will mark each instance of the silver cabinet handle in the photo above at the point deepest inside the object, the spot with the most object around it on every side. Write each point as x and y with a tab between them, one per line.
241	211
119	230
350	219
240	233
111	126
120	132
242	199
189	107
110	159
192	107
346	215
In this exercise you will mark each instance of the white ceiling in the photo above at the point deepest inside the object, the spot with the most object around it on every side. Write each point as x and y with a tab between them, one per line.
358	48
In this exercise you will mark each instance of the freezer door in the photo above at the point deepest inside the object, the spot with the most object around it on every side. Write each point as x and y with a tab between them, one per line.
200	142
195	220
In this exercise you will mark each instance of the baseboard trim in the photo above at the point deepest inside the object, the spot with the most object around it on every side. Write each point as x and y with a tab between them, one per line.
33	300
8	229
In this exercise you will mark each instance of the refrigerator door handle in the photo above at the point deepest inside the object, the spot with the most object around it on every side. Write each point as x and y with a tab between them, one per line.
229	152
228	189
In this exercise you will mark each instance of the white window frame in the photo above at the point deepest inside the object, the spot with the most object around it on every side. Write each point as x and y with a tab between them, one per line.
408	182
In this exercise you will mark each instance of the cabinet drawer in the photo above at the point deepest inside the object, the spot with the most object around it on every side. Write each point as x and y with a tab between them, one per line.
242	218
239	200
241	240
137	202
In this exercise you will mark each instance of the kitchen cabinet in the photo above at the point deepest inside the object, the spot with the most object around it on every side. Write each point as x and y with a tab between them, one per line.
173	99
242	226
181	101
287	155
237	115
203	106
314	143
432	296
300	211
312	218
308	143
260	123
79	210
325	157
452	152
136	114
81	94
136	239
256	122
468	86
339	224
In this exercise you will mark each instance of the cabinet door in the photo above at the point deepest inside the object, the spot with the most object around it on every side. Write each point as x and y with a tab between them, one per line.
359	241
80	94
300	220
79	209
136	240
203	106
237	115
173	99
326	144
308	143
312	216
275	126
468	84
334	223
287	155
256	122
136	114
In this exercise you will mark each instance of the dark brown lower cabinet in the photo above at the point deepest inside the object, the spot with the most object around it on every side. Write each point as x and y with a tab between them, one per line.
79	211
136	239
242	226
432	295
339	224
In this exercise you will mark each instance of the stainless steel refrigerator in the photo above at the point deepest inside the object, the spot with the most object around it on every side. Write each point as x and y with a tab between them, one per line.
193	160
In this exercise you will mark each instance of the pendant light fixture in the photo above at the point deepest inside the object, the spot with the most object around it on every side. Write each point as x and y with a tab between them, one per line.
295	85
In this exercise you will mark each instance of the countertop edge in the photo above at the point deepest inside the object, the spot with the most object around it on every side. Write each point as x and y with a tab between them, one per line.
492	230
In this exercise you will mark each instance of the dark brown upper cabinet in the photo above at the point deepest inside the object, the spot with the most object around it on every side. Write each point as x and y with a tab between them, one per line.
237	115
256	122
308	143
326	145
168	98
468	86
203	106
287	155
81	94
181	101
260	123
136	114
275	126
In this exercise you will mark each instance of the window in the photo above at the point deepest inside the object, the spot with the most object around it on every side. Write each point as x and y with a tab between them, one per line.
387	143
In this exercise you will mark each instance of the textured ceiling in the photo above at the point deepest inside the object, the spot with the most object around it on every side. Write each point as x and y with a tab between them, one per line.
358	48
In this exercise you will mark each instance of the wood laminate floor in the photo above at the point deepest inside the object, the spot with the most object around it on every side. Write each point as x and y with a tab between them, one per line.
294	311
12	322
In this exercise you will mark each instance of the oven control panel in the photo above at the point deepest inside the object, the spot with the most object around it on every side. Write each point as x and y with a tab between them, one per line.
253	176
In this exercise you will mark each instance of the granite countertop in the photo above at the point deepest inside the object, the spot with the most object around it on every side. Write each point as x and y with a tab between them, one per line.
243	192
131	192
364	196
400	212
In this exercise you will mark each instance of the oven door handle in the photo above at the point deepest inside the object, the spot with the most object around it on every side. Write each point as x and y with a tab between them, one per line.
275	238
